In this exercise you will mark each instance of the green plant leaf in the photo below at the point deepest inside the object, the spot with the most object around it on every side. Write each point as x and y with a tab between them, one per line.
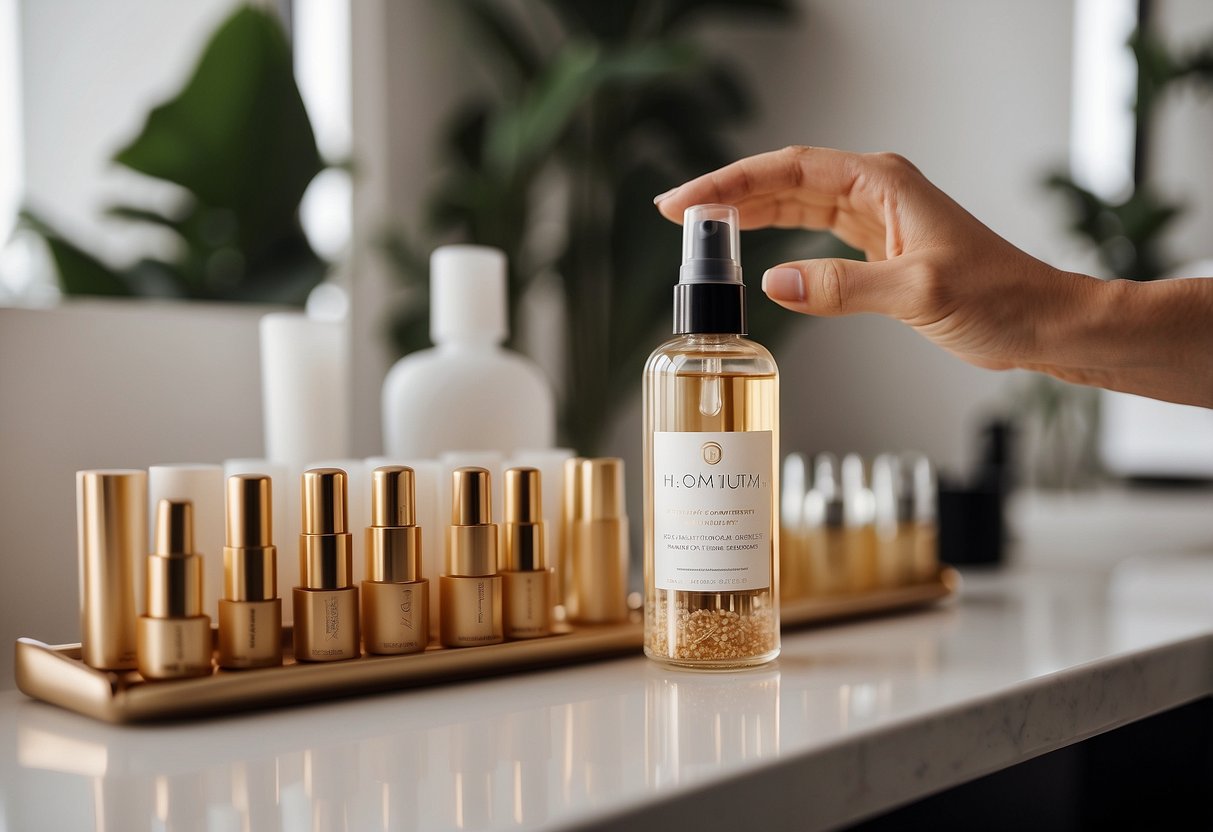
237	136
79	272
525	134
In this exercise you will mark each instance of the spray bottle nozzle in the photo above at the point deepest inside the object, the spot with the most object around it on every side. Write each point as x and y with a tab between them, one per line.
711	241
709	245
710	297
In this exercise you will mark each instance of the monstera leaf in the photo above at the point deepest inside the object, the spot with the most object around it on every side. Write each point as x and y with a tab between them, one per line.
237	141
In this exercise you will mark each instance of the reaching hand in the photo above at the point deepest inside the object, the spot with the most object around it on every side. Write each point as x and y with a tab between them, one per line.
933	266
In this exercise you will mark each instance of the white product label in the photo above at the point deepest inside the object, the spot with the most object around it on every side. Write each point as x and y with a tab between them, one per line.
712	510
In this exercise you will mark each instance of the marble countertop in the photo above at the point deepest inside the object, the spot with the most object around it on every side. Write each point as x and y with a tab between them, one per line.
851	721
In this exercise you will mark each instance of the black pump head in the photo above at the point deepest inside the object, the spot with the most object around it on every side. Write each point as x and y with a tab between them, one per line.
710	297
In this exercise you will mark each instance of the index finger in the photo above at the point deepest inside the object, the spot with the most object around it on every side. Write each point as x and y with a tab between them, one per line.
814	170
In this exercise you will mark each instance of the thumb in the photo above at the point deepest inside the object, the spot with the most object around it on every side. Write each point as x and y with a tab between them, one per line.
836	286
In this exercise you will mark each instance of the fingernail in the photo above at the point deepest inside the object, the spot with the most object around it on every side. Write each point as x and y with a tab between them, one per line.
660	197
783	284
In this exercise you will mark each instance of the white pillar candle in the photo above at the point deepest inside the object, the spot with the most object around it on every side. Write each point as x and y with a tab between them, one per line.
358	506
550	462
284	493
202	485
430	517
304	387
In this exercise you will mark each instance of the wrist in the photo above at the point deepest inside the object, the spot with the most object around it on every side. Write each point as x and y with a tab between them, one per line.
1149	338
1072	338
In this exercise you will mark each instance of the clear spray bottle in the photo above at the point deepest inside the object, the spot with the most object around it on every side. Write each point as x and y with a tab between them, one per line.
711	451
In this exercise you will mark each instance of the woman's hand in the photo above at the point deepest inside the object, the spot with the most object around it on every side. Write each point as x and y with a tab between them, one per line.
933	266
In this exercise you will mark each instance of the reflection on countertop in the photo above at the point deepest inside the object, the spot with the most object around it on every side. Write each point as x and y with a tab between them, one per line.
852	719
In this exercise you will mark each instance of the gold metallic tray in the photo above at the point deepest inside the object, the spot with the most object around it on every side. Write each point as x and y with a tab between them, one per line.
55	673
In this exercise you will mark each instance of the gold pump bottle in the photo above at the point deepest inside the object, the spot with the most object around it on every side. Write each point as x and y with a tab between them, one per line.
174	637
395	608
711	451
326	606
526	578
250	611
469	594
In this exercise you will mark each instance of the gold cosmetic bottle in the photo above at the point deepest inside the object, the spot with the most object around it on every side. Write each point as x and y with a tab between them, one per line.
470	593
175	635
326	606
711	467
526	578
395	598
600	544
250	611
111	520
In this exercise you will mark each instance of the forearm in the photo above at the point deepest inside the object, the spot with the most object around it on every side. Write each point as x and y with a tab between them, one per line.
1153	339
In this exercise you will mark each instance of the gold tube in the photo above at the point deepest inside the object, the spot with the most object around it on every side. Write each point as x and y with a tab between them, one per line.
111	519
526	578
395	598
600	544
326	605
250	612
470	593
174	637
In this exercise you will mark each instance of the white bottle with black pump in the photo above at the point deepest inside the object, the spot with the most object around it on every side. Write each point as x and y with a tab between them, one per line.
467	393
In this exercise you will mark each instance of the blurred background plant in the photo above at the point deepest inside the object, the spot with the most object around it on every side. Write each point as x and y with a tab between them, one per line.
1127	233
238	142
597	107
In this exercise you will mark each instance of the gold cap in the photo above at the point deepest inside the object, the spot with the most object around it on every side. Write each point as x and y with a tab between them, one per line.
249	517
324	501
174	529
393	540
471	497
601	489
250	560
522	496
111	516
174	570
326	558
523	541
392	496
472	535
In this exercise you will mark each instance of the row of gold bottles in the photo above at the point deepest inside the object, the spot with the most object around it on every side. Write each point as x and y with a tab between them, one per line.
497	583
849	527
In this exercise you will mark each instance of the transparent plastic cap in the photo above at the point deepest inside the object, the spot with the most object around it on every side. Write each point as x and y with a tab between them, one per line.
711	251
468	294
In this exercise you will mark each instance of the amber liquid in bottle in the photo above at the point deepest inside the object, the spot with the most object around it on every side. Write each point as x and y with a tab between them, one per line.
712	383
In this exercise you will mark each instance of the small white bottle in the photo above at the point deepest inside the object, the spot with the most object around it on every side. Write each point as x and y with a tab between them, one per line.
466	393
